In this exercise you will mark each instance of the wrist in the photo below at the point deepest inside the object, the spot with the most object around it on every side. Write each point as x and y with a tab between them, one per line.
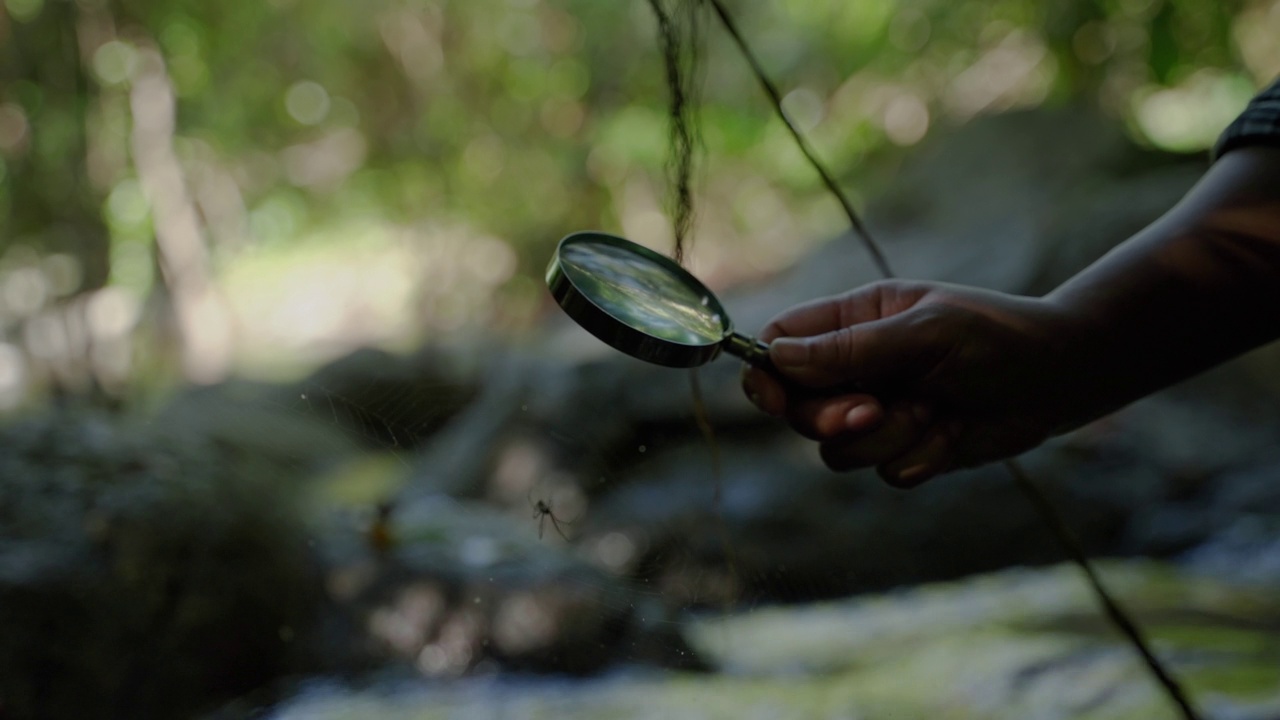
1090	365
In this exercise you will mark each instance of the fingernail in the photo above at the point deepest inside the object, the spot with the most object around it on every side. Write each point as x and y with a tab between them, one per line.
914	474
861	416
789	352
762	397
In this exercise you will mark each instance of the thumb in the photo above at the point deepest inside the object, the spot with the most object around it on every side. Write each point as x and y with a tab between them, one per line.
867	354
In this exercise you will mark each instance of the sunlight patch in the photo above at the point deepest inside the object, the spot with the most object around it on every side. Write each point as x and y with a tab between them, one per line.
1190	116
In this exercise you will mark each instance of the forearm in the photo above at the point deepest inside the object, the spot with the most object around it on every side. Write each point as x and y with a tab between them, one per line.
1197	287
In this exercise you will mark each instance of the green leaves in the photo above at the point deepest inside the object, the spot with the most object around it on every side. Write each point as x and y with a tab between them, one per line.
522	120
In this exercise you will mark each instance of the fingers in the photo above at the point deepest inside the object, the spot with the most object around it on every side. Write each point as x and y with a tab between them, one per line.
874	335
900	430
881	337
932	455
858	338
815	416
811	318
764	391
855	431
907	448
878	353
829	417
865	304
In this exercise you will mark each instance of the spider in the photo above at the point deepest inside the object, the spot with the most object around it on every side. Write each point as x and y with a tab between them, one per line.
541	511
380	535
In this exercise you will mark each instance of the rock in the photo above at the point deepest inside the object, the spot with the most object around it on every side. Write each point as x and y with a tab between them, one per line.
1018	644
260	423
1154	479
797	531
1021	644
385	400
578	422
464	588
1246	550
144	572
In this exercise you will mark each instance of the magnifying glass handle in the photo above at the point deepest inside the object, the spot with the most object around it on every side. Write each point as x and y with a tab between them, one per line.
756	354
751	350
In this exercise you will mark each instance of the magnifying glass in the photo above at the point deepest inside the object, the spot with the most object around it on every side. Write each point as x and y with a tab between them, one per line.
642	303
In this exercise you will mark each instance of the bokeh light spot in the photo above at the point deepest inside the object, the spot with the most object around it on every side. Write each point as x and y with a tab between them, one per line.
13	373
112	312
179	38
24	10
570	78
615	550
1093	43
1190	116
127	205
62	272
13	128
804	108
484	158
131	265
307	102
115	62
906	119
523	623
562	118
23	291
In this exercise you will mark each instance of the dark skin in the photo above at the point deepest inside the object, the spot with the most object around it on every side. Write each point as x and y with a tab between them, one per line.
957	377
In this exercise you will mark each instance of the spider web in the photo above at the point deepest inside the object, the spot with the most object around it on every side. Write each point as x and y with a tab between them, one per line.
432	518
452	606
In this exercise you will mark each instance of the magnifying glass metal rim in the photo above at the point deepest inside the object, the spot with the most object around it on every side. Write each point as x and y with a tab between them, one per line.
597	321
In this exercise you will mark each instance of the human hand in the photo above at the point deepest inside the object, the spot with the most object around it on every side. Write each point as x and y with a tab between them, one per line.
947	377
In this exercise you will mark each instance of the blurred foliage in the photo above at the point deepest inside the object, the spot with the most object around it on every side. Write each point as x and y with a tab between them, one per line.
166	168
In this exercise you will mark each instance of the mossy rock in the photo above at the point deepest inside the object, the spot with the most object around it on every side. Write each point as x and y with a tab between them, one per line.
1020	645
144	571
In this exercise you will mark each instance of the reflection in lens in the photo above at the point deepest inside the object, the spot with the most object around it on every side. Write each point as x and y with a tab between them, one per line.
642	293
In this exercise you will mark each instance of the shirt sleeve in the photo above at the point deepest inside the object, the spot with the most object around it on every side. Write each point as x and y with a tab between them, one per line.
1259	124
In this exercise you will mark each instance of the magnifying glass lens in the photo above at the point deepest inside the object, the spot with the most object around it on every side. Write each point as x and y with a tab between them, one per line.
643	303
642	294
